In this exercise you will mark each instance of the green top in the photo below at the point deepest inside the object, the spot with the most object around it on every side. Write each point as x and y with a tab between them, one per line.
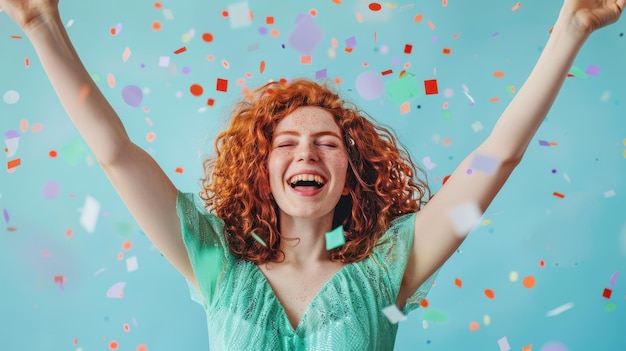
243	313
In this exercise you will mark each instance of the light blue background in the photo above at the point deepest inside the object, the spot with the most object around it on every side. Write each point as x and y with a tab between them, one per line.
581	237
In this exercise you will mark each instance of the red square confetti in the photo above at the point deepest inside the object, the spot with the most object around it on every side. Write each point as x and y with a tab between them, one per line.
210	102
431	87
408	48
269	20
389	71
222	85
606	293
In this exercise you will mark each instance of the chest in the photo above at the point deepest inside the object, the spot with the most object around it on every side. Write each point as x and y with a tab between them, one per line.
295	289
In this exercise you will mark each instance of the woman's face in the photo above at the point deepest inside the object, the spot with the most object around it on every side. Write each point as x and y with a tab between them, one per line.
308	164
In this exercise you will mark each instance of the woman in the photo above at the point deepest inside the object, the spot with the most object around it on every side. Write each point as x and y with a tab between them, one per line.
260	262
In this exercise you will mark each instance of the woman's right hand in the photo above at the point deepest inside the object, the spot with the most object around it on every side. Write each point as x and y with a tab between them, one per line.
27	12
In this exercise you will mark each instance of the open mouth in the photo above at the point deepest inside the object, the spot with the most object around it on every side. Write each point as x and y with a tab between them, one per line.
307	180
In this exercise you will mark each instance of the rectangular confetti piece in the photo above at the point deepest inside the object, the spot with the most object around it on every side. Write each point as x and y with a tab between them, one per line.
394	315
335	238
89	215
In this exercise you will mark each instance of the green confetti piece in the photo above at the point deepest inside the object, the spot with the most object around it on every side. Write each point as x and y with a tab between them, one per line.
578	72
446	114
96	77
610	307
124	228
74	151
257	238
335	238
433	315
402	89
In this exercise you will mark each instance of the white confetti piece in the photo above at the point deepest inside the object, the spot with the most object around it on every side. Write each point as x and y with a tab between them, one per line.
504	344
393	314
560	309
168	14
164	61
131	264
239	15
11	97
89	215
116	291
465	217
12	142
609	193
477	126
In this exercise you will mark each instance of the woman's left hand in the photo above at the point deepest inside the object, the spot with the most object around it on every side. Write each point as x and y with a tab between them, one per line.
590	15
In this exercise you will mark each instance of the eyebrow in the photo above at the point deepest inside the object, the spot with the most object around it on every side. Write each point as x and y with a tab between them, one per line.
318	134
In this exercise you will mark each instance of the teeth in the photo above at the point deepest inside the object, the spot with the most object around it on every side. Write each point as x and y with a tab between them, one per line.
306	177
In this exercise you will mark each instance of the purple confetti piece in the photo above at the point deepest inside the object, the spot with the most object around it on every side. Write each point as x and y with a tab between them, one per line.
321	74
306	36
51	190
543	143
351	42
12	134
593	70
485	163
613	279
132	95
6	215
370	85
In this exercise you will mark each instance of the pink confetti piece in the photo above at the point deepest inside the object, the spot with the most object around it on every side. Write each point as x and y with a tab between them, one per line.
504	344
126	54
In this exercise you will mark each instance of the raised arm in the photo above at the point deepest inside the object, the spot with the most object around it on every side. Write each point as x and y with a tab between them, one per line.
143	186
436	236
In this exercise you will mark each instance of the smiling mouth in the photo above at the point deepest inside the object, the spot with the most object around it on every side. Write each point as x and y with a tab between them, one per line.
307	183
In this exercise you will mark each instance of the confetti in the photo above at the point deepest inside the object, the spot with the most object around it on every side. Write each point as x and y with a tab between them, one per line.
613	279
89	214
370	85
257	238
335	238
306	36
428	163
431	87
239	15
394	315
465	217
503	343
132	95
222	85
11	141
553	346
606	293
126	54
131	264
51	190
164	61
116	291
560	309
11	97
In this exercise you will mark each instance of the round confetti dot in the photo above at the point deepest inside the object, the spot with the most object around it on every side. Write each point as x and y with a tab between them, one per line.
370	85
553	346
127	245
528	281
132	95
225	14
52	154
374	6
473	326
513	276
179	170
384	49
156	25
196	89
186	70
69	233
157	5
610	307
313	12
262	30
51	190
448	93
142	347
424	303
11	97
113	345
150	137
207	37
490	294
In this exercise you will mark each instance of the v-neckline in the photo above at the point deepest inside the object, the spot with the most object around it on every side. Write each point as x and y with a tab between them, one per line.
306	311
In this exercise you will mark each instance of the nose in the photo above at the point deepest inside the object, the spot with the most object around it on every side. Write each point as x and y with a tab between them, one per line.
307	152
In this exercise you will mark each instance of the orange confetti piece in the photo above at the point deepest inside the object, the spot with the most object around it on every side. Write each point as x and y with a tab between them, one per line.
374	6
431	25
16	37
446	51
498	74
207	37
424	303
142	347
558	194
157	5
313	12
179	170
275	32
210	101
444	3
150	137
13	163
473	326
269	20
111	80
156	26
82	94
405	108
528	281
36	128
262	67
113	345
196	89
24	125
494	99
516	6
181	50
52	154
490	294
527	347
338	2
126	327
418	18
458	282
127	245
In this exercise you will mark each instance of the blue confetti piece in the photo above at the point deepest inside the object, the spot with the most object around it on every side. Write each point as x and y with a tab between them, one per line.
335	238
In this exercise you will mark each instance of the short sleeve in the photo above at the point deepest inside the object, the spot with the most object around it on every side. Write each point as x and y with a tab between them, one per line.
393	250
203	235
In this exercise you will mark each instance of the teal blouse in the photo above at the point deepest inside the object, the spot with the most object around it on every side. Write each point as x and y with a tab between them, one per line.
243	313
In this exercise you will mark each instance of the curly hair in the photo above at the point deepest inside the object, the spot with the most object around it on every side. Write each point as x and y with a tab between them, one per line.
381	176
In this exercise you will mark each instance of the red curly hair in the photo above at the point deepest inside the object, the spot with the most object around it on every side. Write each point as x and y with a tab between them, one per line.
381	176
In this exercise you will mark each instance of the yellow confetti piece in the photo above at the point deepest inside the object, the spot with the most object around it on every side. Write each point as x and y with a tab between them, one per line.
513	276
486	319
